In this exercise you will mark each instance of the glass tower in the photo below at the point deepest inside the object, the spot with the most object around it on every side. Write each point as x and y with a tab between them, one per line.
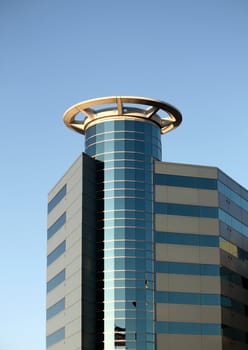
125	138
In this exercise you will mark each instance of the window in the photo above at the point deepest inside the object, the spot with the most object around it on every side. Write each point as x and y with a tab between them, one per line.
233	277
188	328
56	253
240	201
56	226
187	239
57	198
55	337
187	268
186	210
235	334
55	281
187	298
55	309
185	181
234	223
234	305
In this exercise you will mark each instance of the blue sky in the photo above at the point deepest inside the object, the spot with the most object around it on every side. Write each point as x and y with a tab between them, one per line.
55	53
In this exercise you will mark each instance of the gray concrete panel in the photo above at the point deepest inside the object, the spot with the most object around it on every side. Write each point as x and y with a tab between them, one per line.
185	224
188	342
187	283
186	170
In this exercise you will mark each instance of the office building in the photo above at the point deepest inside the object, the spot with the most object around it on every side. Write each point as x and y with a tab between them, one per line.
143	254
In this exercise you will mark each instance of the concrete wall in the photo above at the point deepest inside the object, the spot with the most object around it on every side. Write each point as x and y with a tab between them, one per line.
186	283
78	317
71	260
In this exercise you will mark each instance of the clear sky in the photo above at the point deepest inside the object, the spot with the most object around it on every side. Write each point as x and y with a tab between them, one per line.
55	53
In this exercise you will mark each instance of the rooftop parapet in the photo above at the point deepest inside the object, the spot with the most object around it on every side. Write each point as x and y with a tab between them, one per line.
96	110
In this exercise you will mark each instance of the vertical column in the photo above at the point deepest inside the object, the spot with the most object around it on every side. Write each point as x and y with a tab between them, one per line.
125	231
88	253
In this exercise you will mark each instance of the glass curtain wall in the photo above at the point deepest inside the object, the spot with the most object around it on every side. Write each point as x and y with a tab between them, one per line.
125	150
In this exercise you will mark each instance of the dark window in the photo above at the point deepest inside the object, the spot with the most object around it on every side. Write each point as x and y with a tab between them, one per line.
232	222
120	336
187	268
187	239
235	334
187	298
185	181
233	277
185	210
188	328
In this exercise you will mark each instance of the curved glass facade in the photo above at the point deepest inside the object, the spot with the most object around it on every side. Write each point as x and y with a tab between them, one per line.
125	150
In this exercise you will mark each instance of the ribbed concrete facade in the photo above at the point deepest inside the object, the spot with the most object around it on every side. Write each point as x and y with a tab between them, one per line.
187	309
71	259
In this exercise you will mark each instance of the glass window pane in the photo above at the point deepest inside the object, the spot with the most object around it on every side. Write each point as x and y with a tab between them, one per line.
56	226
57	198
55	281
55	309
185	181
55	337
56	253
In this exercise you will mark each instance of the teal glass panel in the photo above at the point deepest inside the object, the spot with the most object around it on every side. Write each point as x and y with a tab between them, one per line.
185	181
187	298
232	222
188	328
125	271
235	197
187	239
185	210
187	268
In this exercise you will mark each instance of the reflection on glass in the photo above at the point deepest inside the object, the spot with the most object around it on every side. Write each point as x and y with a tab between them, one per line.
228	247
120	336
125	268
